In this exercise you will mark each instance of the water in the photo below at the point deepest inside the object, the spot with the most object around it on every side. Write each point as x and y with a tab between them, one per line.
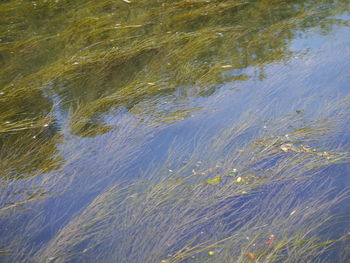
187	131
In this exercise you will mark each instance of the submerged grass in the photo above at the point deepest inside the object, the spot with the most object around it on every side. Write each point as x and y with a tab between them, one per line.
174	216
118	48
177	217
69	69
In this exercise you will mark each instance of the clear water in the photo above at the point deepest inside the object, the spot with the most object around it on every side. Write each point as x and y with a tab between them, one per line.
132	131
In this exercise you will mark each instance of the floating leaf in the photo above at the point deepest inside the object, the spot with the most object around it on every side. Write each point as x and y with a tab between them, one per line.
250	255
214	181
233	173
269	241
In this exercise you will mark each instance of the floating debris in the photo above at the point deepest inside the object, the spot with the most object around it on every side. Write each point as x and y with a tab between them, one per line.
293	212
269	241
211	253
226	66
214	181
287	147
127	1
307	149
251	256
239	180
325	154
233	173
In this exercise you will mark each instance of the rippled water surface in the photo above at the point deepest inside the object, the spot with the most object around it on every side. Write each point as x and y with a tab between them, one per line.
174	131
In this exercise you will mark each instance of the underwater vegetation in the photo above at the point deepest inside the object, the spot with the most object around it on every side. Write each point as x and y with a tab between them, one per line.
281	209
174	131
97	56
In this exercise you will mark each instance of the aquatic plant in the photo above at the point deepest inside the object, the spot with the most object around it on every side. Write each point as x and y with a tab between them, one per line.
176	216
93	94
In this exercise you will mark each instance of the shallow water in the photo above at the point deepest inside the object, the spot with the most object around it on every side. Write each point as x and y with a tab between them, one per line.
183	131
